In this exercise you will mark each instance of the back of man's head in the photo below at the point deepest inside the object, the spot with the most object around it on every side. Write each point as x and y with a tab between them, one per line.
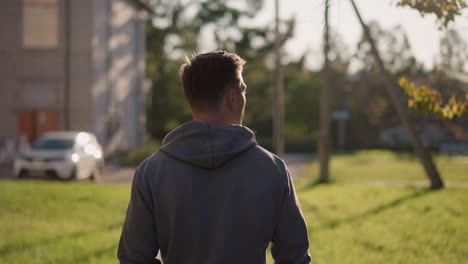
205	78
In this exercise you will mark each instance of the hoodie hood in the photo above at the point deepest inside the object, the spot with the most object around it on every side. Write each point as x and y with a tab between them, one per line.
206	145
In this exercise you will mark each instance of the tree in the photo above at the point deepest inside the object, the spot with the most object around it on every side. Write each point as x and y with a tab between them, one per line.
423	154
168	32
453	51
444	10
369	103
395	50
324	145
443	94
302	88
428	100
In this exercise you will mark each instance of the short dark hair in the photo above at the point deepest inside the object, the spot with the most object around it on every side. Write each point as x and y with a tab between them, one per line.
205	77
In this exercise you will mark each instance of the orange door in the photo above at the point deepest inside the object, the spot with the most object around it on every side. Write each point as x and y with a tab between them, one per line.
35	123
45	121
26	124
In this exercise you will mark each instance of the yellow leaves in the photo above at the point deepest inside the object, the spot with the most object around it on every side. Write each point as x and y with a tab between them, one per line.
403	82
447	113
445	10
427	100
457	108
448	7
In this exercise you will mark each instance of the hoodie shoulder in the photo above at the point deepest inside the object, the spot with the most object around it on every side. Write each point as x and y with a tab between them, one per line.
144	170
275	161
271	156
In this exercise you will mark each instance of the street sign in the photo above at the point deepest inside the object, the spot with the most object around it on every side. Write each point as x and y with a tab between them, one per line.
340	115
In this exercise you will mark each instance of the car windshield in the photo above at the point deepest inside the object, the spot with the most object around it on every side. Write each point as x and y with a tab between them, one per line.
52	144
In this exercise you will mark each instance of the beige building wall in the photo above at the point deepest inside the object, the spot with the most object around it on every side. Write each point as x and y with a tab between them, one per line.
119	73
24	67
34	78
81	79
101	45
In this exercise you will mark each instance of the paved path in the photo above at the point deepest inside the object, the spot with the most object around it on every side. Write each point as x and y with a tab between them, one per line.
111	174
410	183
296	163
122	175
117	175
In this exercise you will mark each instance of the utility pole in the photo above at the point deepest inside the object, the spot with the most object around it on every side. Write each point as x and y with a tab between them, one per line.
325	115
391	87
278	101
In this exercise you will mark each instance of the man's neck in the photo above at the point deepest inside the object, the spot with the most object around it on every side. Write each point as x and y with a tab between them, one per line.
215	119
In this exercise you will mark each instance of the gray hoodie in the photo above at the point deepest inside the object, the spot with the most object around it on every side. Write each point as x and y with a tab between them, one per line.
213	195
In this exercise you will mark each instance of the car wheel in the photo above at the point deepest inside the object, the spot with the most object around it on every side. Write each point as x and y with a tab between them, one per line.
21	174
96	175
70	176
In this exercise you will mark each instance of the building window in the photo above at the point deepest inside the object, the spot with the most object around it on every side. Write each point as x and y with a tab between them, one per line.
40	25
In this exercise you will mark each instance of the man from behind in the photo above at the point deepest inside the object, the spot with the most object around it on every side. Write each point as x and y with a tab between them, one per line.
212	195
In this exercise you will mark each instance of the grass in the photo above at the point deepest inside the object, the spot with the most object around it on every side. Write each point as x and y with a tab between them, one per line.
387	166
57	222
372	224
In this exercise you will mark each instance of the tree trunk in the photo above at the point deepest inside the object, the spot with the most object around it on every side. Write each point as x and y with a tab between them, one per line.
325	123
390	85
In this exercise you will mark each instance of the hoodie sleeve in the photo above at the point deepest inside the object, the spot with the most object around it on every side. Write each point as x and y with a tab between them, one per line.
290	243
138	242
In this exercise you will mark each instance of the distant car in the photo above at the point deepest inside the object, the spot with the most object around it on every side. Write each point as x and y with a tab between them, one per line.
65	155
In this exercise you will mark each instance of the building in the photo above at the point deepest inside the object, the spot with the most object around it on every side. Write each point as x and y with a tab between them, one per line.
74	65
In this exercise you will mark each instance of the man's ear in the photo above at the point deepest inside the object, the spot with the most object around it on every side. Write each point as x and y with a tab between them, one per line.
230	99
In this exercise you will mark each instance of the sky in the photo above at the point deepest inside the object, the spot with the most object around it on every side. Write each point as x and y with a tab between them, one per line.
422	32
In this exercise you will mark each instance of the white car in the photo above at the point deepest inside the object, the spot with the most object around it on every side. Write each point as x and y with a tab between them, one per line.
65	155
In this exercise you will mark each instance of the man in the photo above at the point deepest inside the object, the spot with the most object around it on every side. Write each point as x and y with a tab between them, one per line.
212	194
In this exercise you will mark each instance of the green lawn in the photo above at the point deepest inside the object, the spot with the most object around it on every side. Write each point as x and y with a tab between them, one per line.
57	222
371	224
390	167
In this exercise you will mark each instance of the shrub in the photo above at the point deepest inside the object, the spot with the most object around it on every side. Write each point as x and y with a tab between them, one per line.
137	155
